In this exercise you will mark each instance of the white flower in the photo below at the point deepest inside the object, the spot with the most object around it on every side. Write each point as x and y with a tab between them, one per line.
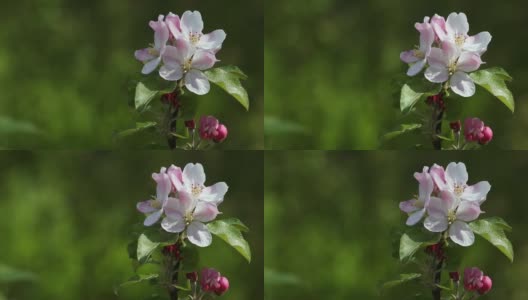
455	179
189	215
417	58
191	30
154	208
193	186
450	213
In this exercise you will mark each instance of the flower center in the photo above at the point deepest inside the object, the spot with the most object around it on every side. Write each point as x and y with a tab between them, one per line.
153	52
196	190
451	217
188	218
155	204
194	37
459	189
418	54
187	65
460	39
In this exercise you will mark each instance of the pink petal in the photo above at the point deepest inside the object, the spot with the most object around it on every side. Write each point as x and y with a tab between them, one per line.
198	234
196	82
476	192
215	193
478	43
457	24
415	217
143	55
408	57
437	74
171	224
468	211
212	40
435	224
456	174
203	60
462	84
193	174
460	233
468	62
191	22
205	212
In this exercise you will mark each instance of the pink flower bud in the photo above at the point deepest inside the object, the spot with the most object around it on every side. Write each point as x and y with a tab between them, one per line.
455	276
190	124
210	280
223	286
221	133
487	135
473	279
208	127
486	285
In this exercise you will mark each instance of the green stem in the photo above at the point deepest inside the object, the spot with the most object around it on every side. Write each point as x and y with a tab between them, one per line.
437	274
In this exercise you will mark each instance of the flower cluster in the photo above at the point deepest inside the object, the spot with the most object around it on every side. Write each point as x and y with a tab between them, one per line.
182	50
475	131
184	202
447	202
447	52
211	281
212	129
476	281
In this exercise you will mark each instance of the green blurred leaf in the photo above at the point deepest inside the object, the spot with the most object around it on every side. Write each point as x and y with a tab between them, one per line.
149	88
492	229
404	128
403	279
151	239
228	78
229	230
413	239
140	126
145	247
191	257
415	89
274	126
493	80
12	126
9	274
135	279
272	277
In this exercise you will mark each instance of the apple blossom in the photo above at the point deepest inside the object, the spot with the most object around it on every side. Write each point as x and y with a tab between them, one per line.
191	30
455	30
183	62
212	281
474	280
185	214
417	58
449	63
416	207
451	214
454	180
192	185
151	57
154	208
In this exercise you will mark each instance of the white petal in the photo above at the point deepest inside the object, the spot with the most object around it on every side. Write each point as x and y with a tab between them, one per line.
214	193
476	192
191	22
193	174
461	234
151	66
416	67
468	211
415	217
437	58
438	174
457	24
468	62
152	218
198	234
435	224
170	224
437	74
456	174
462	84
408	206
203	60
174	73
196	82
212	40
408	57
205	212
478	43
145	207
438	208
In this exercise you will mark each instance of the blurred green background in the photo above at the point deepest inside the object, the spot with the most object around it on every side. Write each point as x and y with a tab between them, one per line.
329	67
68	216
328	221
65	68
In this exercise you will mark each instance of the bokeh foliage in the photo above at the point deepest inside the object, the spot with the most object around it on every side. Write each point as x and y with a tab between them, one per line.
329	219
332	67
66	68
68	217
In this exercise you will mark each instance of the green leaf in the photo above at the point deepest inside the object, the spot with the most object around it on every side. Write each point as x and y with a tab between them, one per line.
9	274
415	89
403	279
145	247
404	128
136	279
150	87
493	80
228	78
492	229
140	126
230	230
151	239
413	239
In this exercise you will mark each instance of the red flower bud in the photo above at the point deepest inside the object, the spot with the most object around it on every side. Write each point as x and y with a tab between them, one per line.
190	124
487	135
455	126
192	276
221	133
486	285
455	276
